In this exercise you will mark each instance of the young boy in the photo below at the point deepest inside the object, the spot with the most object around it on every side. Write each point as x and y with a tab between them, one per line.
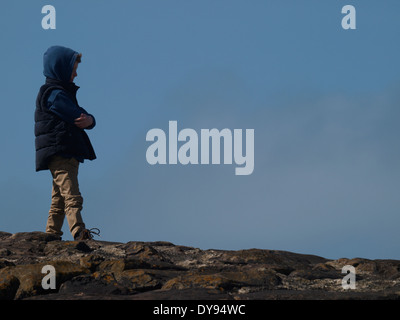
61	142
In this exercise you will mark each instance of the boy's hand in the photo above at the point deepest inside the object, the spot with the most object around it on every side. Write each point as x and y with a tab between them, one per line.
84	121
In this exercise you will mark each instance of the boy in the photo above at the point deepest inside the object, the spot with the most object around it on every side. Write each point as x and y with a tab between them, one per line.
61	142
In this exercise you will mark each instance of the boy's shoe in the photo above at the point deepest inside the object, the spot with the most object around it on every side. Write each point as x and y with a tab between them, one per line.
86	234
52	237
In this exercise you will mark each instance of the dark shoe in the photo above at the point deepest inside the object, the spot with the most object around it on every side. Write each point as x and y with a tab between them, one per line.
86	234
52	237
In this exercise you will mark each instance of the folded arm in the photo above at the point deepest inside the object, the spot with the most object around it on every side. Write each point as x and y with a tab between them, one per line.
85	121
60	104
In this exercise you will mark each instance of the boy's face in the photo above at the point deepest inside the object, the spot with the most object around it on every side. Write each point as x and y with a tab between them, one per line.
74	74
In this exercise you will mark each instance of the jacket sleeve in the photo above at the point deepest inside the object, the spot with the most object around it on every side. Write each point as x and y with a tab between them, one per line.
60	104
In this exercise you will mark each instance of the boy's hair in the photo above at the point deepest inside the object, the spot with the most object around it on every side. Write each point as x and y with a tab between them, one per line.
79	58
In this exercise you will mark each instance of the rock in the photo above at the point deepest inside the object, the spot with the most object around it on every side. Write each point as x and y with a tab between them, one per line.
8	286
319	271
4	234
30	276
94	270
183	294
5	263
196	280
138	280
92	284
4	252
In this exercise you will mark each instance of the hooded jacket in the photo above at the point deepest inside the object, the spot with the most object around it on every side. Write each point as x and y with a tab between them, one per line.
56	110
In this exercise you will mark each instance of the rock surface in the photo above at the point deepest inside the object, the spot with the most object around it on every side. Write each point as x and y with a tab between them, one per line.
94	270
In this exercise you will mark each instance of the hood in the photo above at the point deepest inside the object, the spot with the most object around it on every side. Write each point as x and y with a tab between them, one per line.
58	63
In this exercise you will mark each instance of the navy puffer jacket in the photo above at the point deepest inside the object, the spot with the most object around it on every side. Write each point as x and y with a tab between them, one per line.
56	110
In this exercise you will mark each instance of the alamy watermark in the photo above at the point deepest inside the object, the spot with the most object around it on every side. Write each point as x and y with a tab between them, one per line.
49	20
349	281
210	140
49	280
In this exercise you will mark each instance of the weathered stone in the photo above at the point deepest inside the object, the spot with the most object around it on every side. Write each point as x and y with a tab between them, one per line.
91	262
34	236
151	263
8	286
199	280
319	271
92	269
4	235
30	276
253	276
4	252
138	280
316	295
183	294
5	263
92	284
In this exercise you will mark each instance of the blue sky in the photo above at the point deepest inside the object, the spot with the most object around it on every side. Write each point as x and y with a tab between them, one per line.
323	101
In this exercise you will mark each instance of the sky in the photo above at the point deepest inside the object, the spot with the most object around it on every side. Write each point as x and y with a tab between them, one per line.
323	102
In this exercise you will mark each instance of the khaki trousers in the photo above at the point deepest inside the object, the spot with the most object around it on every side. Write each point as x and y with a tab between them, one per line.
66	200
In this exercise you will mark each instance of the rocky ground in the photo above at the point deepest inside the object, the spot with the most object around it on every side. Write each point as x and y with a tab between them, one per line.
94	270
